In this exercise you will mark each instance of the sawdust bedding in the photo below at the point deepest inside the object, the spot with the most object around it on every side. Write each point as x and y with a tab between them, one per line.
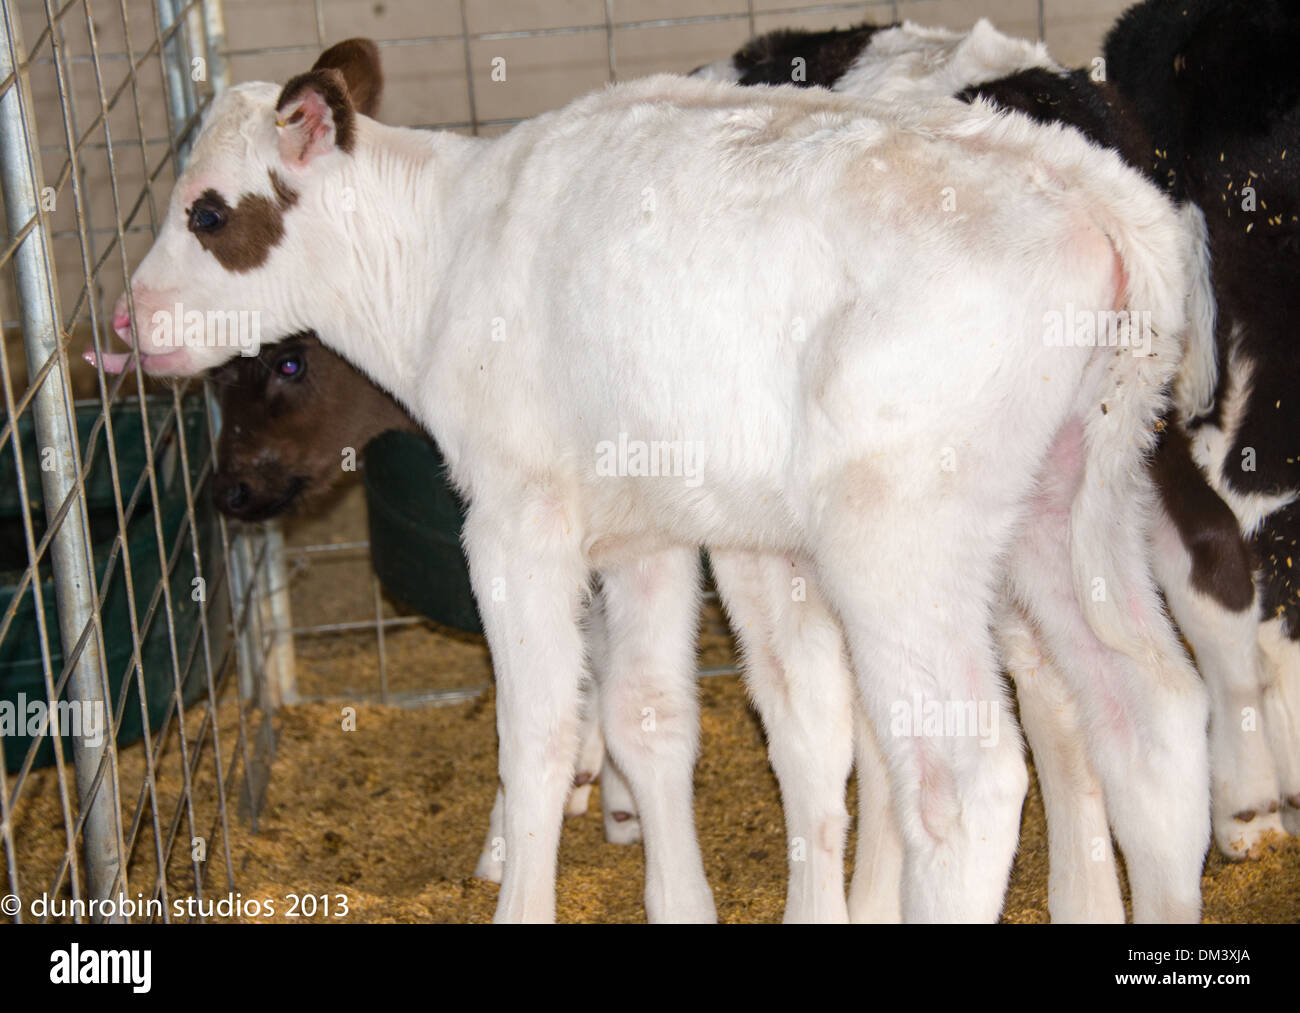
393	813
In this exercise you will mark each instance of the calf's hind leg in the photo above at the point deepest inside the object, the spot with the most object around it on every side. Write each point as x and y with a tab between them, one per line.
1142	706
878	861
618	810
1203	565
590	765
1244	785
915	601
650	716
1083	882
798	677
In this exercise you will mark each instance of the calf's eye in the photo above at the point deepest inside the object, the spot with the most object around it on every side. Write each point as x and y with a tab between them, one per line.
206	219
291	367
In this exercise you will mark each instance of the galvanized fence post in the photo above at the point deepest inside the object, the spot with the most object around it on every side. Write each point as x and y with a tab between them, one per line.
214	35
55	425
180	91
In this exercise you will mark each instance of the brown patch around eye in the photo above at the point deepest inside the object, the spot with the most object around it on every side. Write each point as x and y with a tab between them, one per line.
252	228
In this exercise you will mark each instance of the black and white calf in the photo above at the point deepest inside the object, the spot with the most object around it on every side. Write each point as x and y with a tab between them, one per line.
773	278
1217	86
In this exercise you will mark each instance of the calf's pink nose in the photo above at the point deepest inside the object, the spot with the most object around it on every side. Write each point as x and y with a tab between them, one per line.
122	320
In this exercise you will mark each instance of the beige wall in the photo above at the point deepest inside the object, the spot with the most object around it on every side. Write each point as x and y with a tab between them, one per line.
426	76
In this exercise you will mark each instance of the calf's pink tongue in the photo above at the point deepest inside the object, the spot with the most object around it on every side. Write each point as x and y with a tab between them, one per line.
113	362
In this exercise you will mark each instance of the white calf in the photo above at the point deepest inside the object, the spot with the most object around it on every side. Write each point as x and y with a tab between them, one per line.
909	64
773	279
915	64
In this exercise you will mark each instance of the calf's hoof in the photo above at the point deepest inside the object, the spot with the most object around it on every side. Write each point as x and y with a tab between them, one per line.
1249	833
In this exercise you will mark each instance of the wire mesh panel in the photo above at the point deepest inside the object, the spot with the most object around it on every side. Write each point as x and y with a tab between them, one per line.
131	676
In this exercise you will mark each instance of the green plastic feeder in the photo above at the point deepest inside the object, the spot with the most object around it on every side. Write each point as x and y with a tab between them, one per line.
21	675
415	522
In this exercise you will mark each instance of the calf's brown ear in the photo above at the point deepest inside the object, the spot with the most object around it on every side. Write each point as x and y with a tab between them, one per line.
314	116
316	112
358	61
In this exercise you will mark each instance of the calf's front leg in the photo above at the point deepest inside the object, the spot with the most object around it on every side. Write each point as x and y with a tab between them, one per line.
529	579
591	755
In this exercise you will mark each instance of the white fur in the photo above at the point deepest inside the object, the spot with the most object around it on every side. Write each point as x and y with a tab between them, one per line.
650	719
588	766
875	893
914	63
719	70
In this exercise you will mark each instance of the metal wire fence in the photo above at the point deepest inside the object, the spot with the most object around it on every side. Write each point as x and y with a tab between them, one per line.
144	643
132	662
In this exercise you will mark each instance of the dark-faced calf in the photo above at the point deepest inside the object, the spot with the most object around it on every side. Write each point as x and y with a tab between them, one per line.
294	418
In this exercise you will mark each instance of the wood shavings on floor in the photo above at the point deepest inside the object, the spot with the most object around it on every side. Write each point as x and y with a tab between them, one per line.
394	814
